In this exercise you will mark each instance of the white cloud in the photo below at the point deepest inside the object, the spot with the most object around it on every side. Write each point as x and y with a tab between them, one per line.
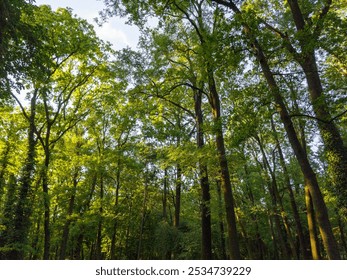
115	31
114	35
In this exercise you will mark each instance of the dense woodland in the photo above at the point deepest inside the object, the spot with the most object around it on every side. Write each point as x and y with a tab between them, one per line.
221	136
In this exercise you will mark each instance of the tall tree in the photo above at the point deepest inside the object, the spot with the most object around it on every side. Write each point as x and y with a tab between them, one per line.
310	176
56	95
308	32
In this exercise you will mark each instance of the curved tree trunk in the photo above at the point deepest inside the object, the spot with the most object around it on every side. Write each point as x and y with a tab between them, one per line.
310	177
336	152
322	216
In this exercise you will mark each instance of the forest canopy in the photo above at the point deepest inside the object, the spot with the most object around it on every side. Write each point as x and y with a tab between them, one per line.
221	136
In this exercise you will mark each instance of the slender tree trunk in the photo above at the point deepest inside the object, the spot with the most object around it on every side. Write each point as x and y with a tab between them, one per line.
310	213
129	254
143	217
233	243
214	100
312	225
4	163
259	244
165	191
98	245
78	252
245	237
113	241
66	229
206	235
206	246
273	237
276	220
277	206
46	203
178	196
221	221
177	204
298	225
114	234
35	242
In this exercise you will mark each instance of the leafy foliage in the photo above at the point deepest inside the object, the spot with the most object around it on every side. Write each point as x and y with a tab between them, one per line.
108	154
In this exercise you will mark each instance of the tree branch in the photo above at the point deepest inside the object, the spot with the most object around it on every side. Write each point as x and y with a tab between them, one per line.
20	105
318	30
318	119
202	40
229	4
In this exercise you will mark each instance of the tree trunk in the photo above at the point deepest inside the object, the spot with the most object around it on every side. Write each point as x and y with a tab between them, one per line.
221	221
114	234
46	203
310	177
233	243
273	237
310	214
165	191
178	196
298	225
277	206
143	216
258	244
78	252
246	239
206	246
342	231
35	242
312	225
98	245
23	208
7	237
214	100
66	230
321	210
4	163
336	152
